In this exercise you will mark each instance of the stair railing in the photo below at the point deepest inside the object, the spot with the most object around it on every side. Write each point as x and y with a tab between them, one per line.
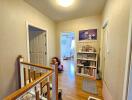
33	79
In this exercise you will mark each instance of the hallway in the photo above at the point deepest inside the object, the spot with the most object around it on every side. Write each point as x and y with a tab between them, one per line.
103	40
71	84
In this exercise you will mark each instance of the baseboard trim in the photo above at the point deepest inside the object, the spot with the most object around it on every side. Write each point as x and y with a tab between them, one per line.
106	92
93	98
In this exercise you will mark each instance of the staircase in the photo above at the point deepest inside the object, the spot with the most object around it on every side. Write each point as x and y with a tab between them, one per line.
35	81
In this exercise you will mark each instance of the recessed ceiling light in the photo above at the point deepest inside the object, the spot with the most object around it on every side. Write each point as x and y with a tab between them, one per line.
65	3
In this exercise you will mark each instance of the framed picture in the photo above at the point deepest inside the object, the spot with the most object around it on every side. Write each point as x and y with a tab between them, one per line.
90	34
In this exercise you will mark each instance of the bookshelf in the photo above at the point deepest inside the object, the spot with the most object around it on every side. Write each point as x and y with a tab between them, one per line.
87	58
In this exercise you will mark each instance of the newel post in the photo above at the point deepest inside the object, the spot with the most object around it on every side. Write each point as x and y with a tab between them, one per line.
20	71
55	81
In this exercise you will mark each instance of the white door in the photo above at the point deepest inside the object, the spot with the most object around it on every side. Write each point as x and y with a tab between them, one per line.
103	51
37	46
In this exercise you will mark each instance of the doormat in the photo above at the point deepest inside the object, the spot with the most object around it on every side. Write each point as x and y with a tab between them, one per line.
90	86
93	98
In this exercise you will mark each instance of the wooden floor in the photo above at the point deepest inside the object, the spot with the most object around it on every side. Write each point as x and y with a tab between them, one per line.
71	84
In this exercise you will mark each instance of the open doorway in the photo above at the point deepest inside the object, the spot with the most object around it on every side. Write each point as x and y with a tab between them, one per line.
67	44
67	56
37	45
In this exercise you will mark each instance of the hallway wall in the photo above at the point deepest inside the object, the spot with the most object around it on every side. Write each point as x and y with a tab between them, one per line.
117	14
75	25
13	17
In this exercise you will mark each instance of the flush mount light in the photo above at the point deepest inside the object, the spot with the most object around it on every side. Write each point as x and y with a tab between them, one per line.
65	3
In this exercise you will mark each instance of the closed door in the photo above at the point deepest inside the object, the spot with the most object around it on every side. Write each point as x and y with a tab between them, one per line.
103	52
37	46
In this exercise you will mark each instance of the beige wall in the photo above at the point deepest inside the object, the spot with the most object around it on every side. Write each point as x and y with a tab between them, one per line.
78	24
117	14
13	17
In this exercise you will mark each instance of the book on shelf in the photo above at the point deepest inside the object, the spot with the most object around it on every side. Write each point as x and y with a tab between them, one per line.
93	67
92	63
85	56
82	70
94	72
79	56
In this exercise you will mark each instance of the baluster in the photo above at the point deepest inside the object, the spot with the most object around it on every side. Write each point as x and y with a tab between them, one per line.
41	88
55	82
48	90
29	75
37	95
40	73
41	85
24	76
21	71
37	92
34	74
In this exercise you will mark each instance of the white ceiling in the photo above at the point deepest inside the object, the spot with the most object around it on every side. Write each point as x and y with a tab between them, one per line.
81	8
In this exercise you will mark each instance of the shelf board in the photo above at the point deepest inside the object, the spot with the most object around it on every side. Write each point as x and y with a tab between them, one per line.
86	41
86	75
86	59
87	52
86	66
80	65
91	67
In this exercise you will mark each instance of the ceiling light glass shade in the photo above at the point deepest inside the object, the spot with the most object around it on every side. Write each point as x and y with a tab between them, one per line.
65	3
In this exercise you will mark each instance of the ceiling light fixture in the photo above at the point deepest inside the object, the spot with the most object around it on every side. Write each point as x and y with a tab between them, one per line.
65	3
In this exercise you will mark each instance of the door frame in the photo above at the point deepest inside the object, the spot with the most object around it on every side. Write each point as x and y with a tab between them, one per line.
27	39
128	61
103	47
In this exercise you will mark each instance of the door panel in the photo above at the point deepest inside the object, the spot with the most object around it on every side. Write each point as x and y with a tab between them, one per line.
37	41
103	53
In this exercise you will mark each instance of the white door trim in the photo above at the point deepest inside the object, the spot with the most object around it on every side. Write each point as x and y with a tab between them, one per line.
128	61
27	39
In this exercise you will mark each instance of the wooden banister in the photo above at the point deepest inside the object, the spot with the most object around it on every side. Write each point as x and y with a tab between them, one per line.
37	66
28	86
54	64
31	69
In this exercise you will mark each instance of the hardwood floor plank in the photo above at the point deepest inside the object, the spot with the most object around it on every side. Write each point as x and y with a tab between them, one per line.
71	84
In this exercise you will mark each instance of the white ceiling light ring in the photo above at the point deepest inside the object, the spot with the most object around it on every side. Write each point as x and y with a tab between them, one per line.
65	3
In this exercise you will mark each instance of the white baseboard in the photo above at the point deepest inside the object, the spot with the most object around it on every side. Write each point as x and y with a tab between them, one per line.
106	92
93	98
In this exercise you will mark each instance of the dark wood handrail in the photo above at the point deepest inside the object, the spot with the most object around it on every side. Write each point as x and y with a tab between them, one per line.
21	91
36	65
32	84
